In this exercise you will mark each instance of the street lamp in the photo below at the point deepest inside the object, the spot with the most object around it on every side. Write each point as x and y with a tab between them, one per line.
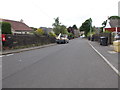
90	27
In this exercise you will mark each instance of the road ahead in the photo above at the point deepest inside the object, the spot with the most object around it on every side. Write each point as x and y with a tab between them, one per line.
73	65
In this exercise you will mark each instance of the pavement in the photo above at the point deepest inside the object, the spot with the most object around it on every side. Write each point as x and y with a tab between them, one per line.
5	52
108	52
72	65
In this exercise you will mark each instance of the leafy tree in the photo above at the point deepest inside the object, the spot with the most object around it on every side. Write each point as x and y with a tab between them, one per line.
40	31
6	28
57	23
75	27
58	28
86	26
63	29
103	25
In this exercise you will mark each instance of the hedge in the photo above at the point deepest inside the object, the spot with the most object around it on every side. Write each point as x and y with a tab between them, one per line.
6	28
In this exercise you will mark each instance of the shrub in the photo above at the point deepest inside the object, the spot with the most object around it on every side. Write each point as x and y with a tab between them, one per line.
6	28
39	32
107	31
52	34
89	34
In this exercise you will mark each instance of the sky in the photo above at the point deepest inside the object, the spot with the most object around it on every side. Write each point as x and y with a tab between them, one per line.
41	13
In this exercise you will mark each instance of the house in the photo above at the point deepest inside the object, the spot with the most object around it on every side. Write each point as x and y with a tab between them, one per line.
18	27
97	30
75	32
113	25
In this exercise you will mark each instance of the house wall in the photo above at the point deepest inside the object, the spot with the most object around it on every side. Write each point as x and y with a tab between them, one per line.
20	32
113	29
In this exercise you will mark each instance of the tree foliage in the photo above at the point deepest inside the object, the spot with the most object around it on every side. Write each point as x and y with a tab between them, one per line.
75	27
58	28
6	28
104	23
86	26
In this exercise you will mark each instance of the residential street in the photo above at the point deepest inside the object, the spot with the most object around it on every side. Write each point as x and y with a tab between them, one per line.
72	65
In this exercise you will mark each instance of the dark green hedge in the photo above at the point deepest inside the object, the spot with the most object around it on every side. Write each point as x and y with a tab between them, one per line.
6	28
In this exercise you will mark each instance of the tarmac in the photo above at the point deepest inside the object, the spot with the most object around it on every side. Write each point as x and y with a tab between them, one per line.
107	51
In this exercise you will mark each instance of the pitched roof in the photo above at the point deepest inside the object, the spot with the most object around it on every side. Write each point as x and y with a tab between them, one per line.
18	26
114	22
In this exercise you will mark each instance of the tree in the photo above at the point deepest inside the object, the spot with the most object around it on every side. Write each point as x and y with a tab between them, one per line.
6	28
75	27
58	28
104	23
86	26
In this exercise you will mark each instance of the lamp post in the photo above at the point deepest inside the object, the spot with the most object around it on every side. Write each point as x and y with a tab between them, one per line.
90	27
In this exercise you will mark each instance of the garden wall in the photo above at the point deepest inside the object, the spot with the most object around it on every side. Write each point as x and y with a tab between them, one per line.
13	41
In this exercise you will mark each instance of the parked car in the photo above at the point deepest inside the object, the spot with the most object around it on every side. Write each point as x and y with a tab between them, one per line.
83	36
62	38
117	37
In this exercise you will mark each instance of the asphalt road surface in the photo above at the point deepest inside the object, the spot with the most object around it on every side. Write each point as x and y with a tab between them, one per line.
72	65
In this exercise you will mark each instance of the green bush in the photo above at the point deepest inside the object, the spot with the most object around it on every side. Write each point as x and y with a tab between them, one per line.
107	31
89	34
6	28
52	34
39	31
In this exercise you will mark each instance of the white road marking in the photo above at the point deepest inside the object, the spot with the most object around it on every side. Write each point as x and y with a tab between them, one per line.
2	56
116	71
9	54
6	55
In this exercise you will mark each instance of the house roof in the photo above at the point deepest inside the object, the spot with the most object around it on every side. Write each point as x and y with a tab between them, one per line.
114	22
17	25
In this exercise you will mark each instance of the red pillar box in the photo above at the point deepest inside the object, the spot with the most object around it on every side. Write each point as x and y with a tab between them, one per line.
3	37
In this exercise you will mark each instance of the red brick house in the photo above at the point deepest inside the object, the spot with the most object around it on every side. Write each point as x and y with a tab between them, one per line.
18	27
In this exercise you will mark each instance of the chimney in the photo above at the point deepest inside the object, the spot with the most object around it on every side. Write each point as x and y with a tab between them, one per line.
21	21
